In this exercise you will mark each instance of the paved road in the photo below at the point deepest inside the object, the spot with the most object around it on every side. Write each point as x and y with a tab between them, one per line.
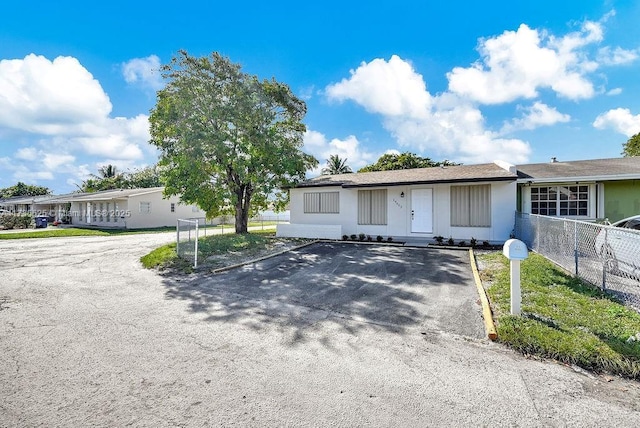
87	337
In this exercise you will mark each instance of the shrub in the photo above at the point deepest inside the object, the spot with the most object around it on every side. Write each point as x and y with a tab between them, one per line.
473	242
369	238
439	239
462	243
450	241
354	237
390	238
345	237
379	238
486	244
16	221
362	236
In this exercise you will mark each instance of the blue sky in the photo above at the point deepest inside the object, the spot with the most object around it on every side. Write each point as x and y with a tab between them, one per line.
464	81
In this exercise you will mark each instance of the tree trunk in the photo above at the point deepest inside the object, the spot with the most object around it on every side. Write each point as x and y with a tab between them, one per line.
242	210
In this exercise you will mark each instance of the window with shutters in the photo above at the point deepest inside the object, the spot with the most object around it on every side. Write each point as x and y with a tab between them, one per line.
322	202
471	206
372	207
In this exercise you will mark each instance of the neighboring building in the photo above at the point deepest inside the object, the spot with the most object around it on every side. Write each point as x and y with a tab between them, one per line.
128	209
584	190
120	208
461	202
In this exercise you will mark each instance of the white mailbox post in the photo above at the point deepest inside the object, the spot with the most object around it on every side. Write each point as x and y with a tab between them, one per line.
515	251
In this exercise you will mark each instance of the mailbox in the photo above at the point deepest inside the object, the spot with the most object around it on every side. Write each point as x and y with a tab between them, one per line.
514	249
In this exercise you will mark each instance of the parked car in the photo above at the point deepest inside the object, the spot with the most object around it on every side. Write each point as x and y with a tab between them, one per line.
619	246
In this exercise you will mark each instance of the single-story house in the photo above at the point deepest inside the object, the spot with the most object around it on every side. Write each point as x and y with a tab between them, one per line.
584	190
462	202
119	208
22	204
128	208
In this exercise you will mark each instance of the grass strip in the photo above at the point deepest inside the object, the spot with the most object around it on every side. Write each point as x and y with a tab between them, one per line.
563	318
248	244
71	231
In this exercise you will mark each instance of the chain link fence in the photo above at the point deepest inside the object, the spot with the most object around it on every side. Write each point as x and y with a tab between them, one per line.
606	256
187	240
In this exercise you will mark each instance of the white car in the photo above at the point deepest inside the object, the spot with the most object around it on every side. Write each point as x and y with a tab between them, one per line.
620	247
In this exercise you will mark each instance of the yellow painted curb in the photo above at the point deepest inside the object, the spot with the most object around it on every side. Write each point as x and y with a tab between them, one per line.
489	326
226	268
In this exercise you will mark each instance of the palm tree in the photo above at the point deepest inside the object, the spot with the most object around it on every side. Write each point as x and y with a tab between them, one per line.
335	165
108	171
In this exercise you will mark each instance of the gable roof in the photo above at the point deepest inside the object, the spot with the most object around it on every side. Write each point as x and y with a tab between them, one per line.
583	170
447	174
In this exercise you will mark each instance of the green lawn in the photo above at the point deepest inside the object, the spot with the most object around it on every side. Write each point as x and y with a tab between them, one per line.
53	232
248	244
563	318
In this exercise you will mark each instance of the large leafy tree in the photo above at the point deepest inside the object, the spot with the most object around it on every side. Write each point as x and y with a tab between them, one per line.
632	146
21	189
336	165
228	141
406	160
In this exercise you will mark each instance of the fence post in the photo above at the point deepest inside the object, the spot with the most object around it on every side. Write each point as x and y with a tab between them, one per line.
604	263
195	260
575	244
178	237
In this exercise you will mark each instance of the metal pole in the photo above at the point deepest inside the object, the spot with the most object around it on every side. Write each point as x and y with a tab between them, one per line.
604	263
516	297
575	244
178	237
195	260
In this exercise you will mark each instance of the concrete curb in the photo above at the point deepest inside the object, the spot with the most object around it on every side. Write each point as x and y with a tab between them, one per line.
489	325
259	259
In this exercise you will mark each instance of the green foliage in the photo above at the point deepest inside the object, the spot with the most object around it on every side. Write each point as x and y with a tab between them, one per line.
336	165
109	178
16	221
563	318
406	160
228	141
21	189
632	146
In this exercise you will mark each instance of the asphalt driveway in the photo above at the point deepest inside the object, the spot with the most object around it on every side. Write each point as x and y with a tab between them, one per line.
396	288
329	335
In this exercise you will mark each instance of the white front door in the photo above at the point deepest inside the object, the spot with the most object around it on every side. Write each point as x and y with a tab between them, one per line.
422	210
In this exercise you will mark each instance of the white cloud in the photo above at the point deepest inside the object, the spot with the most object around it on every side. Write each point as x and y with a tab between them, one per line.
49	97
445	125
27	153
318	145
143	71
617	56
620	120
63	112
516	64
614	91
535	116
391	88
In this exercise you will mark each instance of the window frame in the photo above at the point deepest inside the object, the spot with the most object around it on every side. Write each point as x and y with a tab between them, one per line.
570	200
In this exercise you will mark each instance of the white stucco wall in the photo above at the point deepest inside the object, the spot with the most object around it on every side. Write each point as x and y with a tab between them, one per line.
503	206
129	215
160	214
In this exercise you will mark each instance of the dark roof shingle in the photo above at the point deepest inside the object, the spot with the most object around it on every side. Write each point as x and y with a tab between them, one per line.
448	174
